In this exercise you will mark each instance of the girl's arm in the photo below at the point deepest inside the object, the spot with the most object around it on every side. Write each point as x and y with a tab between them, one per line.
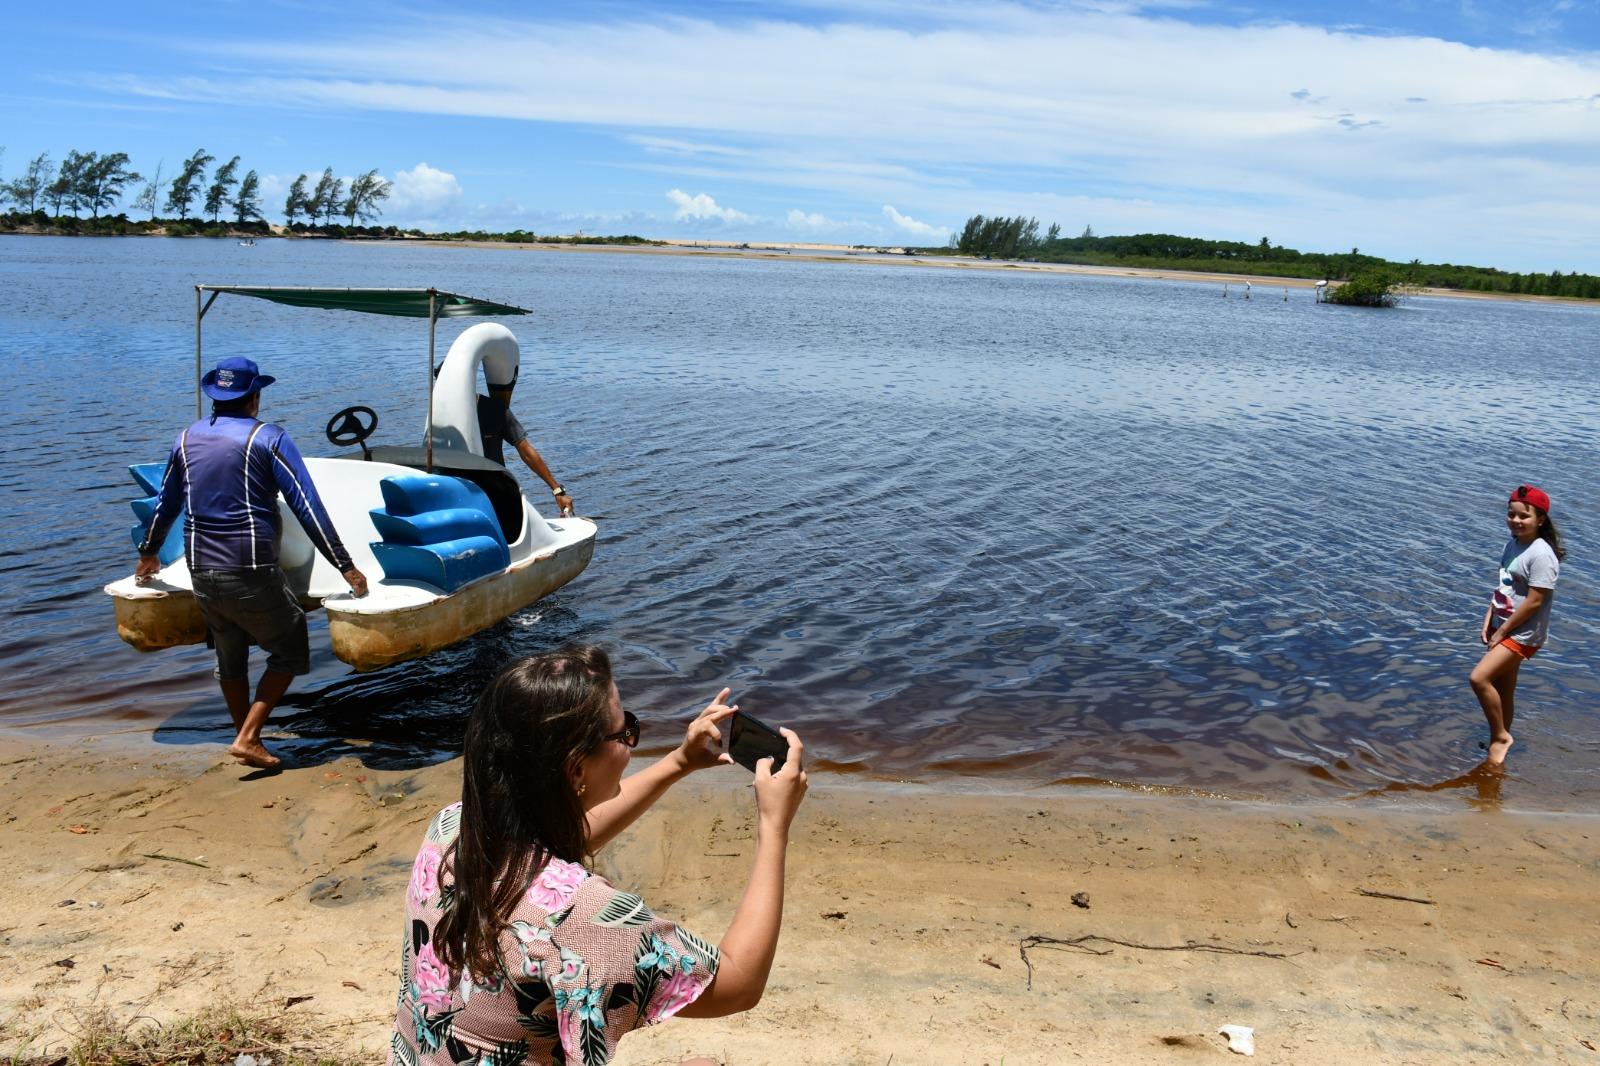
698	751
1525	610
1486	630
748	947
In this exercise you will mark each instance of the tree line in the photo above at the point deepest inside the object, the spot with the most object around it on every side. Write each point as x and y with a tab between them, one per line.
90	181
1018	237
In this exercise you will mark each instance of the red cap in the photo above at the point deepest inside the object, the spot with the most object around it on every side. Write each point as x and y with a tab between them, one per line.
1531	496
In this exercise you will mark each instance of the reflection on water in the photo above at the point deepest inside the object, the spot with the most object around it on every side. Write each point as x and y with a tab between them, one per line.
1015	527
1481	785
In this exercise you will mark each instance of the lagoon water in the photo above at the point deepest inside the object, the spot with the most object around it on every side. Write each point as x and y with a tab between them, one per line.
981	525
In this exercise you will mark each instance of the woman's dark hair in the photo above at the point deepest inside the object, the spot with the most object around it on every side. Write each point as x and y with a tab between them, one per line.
534	722
1549	533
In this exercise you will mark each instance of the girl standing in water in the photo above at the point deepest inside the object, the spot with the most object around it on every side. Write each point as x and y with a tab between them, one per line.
1518	619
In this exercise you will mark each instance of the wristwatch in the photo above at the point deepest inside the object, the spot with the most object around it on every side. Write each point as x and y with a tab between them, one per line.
558	491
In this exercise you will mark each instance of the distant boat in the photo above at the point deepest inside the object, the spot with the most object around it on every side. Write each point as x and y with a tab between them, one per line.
248	242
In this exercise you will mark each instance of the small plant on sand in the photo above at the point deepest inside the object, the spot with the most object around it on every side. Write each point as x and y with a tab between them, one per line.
216	1036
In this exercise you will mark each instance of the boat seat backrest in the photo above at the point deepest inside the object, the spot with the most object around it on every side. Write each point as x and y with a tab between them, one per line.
438	530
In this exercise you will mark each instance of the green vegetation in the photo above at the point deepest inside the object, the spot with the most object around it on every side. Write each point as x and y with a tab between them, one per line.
1017	238
520	236
97	183
1369	288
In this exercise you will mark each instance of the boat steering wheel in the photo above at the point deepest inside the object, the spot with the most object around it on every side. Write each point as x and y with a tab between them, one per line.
353	425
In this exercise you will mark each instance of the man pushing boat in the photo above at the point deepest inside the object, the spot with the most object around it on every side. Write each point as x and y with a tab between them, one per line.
225	472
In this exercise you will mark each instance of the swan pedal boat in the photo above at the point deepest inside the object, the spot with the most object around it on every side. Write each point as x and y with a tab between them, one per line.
448	542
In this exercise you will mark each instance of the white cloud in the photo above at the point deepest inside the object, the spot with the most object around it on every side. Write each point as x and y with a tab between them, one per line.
702	208
911	226
816	223
423	190
990	106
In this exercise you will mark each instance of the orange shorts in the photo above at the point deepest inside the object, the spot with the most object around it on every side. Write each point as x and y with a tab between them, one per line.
1526	651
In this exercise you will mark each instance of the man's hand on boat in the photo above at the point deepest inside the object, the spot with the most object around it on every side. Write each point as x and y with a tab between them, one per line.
149	566
357	581
564	501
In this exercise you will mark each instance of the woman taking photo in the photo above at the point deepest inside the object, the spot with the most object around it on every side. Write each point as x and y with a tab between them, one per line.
514	951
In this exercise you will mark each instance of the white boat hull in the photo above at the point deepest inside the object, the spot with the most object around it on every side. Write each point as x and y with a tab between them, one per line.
168	617
370	641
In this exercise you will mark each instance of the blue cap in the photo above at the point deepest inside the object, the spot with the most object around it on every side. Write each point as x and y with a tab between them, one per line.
234	379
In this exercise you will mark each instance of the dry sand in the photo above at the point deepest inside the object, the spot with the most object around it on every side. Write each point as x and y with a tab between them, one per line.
904	916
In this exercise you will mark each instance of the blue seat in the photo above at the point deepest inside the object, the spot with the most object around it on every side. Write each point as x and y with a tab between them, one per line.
148	477
439	530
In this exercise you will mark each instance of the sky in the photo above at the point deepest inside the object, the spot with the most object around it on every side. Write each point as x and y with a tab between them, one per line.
1464	132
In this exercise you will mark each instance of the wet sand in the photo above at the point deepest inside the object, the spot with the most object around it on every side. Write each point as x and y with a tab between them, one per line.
169	878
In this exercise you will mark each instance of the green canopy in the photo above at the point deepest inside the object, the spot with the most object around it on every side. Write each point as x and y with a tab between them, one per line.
408	303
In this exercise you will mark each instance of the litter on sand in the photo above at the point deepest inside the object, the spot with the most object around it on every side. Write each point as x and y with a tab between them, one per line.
1241	1039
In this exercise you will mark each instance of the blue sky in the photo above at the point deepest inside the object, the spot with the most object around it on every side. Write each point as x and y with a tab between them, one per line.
1460	132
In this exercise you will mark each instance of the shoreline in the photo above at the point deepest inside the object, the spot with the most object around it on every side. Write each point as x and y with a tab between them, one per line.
815	253
835	253
1471	789
154	885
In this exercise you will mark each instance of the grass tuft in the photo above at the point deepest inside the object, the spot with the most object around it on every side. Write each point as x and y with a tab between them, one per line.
216	1036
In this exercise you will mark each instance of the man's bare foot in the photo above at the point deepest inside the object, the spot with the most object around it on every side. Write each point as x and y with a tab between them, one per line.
254	753
1498	748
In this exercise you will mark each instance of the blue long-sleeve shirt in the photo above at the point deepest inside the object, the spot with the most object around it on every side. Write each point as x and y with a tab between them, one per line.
226	473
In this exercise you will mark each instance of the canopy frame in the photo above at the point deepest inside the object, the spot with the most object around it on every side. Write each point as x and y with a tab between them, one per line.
432	304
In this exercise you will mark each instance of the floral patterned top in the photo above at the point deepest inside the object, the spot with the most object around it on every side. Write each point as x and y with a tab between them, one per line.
582	963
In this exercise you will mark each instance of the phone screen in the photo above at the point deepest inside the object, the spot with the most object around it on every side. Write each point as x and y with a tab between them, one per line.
750	741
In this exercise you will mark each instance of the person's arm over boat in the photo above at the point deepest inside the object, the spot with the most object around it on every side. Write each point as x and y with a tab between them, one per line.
169	502
294	481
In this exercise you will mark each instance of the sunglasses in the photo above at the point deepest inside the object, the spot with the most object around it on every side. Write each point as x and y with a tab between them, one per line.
629	734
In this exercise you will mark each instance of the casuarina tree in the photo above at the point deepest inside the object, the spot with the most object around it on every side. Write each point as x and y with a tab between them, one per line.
297	203
104	179
367	191
221	184
247	205
186	186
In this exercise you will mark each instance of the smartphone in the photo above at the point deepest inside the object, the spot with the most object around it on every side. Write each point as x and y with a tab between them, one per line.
750	741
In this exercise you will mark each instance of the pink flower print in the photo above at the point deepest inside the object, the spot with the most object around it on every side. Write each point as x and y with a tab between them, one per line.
425	875
682	990
556	883
433	980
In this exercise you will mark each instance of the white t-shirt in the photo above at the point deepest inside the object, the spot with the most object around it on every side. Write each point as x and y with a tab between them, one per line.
1525	566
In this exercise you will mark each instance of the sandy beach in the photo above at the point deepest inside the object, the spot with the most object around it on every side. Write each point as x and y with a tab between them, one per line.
152	882
1264	286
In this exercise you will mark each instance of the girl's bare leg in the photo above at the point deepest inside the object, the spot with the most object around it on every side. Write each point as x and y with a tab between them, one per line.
1506	685
1497	664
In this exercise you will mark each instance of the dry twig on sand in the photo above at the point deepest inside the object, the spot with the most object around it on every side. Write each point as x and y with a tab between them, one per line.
172	858
1081	943
1391	895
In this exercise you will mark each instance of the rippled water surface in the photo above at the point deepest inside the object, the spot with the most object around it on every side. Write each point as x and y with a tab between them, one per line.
1021	527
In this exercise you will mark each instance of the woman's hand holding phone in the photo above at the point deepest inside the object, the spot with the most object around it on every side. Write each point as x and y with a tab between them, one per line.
778	795
699	750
